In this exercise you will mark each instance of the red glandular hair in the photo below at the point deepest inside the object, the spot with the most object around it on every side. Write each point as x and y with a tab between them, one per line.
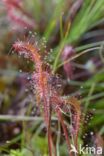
47	93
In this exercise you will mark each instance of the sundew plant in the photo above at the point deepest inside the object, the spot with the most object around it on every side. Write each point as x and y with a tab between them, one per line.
51	77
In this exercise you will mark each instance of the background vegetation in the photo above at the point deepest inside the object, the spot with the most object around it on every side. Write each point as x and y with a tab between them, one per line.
70	33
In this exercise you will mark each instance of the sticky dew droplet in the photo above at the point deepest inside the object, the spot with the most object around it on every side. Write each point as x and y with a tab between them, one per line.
20	70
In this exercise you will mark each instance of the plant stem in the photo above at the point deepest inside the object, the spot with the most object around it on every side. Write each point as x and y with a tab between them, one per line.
64	129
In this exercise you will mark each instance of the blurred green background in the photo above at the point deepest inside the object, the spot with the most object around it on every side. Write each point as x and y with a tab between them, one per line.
70	33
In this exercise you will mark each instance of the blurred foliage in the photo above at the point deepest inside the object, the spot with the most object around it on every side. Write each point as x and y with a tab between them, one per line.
77	23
